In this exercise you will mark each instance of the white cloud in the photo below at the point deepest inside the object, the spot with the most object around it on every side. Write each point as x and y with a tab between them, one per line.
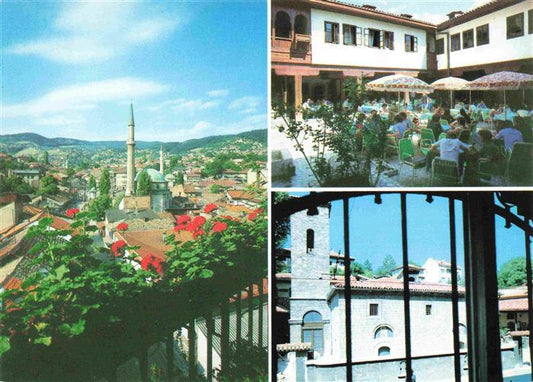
184	105
203	125
218	93
84	96
479	3
246	103
61	120
86	32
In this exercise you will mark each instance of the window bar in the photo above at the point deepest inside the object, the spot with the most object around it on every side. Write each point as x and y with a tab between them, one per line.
455	294
251	313
529	286
192	350
238	314
468	297
347	291
406	309
260	313
170	356
209	324
224	336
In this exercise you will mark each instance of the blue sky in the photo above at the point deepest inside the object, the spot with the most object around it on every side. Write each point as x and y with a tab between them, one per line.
191	68
375	231
427	10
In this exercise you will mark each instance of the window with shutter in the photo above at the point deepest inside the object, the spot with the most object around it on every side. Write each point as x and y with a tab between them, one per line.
359	36
366	36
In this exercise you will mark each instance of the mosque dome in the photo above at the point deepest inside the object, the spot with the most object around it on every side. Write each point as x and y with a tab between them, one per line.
155	176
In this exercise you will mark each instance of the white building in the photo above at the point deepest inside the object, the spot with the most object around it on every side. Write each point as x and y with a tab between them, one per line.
494	37
317	317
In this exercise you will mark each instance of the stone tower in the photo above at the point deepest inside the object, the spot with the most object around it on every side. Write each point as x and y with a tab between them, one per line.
130	166
161	163
310	280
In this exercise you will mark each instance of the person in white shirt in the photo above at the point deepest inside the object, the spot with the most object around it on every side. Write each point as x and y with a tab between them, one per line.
449	148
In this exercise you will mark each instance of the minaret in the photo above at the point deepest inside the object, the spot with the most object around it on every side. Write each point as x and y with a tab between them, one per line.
130	166
161	163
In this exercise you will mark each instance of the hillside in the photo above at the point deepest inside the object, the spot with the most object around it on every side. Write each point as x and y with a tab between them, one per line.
14	143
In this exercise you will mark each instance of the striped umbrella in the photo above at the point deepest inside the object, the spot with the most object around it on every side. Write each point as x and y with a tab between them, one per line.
399	83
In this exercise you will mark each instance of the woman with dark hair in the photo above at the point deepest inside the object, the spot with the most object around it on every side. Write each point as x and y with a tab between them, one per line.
490	157
446	114
434	125
465	115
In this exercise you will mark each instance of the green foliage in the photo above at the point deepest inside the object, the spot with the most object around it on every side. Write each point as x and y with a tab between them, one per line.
179	178
99	205
144	184
281	227
340	133
220	162
105	182
92	182
249	363
45	158
216	189
386	267
118	198
48	186
15	184
512	273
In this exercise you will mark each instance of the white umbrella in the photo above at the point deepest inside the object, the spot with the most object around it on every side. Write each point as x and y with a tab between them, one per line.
451	84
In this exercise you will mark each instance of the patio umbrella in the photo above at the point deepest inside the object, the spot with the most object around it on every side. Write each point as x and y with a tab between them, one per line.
503	81
451	84
399	83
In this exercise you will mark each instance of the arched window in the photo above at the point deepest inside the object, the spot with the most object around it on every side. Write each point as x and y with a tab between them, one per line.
310	240
312	331
383	332
300	24
283	24
384	350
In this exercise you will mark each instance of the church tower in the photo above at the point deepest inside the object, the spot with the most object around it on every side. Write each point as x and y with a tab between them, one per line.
161	163
130	166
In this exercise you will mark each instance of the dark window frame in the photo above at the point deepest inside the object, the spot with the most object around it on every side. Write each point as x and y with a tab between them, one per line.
439	46
333	35
429	308
277	23
530	21
478	29
309	240
353	34
468	38
520	17
411	43
455	42
388	41
373	309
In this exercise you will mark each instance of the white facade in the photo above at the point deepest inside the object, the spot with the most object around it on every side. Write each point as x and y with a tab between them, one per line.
499	47
439	272
363	56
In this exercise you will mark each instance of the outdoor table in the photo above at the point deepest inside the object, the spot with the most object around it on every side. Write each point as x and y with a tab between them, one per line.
368	108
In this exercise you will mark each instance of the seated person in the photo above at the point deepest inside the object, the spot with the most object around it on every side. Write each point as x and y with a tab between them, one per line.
406	121
446	114
308	104
509	134
347	105
490	157
449	148
399	128
482	105
434	125
465	115
384	109
458	124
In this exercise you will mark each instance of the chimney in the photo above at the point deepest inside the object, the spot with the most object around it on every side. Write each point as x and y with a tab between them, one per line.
367	6
454	14
406	16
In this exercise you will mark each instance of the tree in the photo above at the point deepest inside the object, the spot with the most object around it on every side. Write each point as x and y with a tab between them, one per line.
99	205
45	157
92	182
386	267
48	185
105	182
179	178
367	266
512	273
281	227
15	184
143	184
357	268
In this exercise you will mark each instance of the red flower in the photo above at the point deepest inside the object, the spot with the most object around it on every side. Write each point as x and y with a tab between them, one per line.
150	261
198	221
210	207
182	219
252	216
198	233
72	212
219	227
122	227
180	227
117	247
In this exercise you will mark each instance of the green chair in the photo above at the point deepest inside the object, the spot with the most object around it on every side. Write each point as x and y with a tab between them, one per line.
426	140
406	155
445	172
520	165
442	136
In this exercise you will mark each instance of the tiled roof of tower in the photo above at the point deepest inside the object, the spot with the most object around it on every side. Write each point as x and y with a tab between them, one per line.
474	13
513	305
378	13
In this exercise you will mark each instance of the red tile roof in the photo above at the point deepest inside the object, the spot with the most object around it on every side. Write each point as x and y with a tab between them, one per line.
513	305
151	242
393	285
